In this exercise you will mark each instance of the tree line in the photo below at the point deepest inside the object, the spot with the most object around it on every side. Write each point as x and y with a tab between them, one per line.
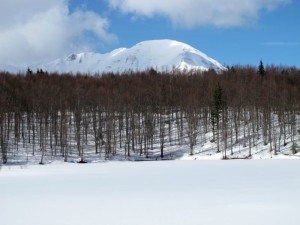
131	114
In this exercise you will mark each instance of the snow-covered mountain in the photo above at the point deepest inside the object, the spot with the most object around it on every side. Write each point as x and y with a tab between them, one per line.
161	55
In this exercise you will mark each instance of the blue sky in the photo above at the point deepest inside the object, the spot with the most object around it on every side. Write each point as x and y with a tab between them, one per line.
231	31
274	38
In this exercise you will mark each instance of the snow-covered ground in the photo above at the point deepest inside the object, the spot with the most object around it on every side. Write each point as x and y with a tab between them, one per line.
227	192
204	149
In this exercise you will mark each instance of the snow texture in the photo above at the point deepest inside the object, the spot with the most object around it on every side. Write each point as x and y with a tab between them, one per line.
235	192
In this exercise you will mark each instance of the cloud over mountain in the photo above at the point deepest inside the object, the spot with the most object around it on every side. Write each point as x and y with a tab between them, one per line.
32	30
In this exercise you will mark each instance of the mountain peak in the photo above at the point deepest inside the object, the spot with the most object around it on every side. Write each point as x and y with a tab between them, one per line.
162	55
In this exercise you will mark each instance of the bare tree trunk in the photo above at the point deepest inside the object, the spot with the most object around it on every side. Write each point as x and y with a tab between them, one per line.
231	133
270	130
3	143
249	135
161	134
42	137
224	130
33	133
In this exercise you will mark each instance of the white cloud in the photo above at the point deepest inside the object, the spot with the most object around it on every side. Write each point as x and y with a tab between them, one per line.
191	13
33	31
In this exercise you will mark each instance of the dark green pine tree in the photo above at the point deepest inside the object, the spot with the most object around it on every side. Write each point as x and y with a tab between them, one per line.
216	111
261	69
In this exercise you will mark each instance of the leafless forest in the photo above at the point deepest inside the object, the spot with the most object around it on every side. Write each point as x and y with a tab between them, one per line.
66	116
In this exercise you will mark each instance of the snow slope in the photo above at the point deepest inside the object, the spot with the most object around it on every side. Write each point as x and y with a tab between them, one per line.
162	55
247	192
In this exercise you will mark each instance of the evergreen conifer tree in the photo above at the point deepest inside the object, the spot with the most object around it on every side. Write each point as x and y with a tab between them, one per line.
216	109
261	69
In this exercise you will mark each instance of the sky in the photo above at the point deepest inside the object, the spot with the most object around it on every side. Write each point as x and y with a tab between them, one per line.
234	32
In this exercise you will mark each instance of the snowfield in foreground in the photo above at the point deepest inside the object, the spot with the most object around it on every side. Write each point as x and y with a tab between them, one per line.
254	192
